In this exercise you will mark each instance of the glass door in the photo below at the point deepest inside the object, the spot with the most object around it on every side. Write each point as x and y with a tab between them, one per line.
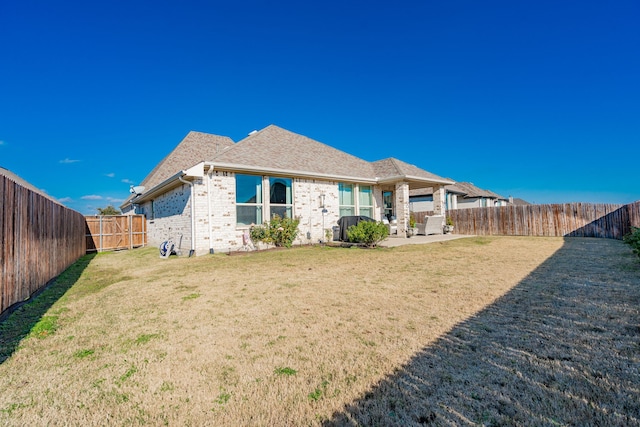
387	201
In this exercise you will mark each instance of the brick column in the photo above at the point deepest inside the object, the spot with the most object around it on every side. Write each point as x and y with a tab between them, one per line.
439	207
402	207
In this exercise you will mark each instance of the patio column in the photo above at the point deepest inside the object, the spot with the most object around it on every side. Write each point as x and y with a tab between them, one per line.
454	201
439	207
402	207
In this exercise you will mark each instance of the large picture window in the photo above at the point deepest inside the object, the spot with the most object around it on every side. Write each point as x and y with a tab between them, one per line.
346	200
365	201
280	200
248	199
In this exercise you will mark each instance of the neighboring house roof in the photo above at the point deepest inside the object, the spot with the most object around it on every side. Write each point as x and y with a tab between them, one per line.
278	151
466	189
451	188
15	178
518	201
496	195
471	191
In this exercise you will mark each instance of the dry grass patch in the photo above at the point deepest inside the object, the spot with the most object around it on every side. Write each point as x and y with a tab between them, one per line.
296	337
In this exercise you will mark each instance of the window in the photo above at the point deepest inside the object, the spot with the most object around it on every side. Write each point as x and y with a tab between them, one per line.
346	200
280	201
248	199
365	199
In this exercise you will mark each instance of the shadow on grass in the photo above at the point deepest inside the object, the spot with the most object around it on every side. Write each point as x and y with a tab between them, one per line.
21	322
561	348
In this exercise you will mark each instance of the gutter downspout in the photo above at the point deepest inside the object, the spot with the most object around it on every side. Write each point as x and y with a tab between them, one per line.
209	177
193	216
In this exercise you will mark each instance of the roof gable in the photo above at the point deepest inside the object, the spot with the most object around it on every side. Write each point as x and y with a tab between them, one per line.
196	147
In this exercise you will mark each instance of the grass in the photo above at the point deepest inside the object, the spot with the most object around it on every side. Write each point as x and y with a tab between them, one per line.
486	331
285	371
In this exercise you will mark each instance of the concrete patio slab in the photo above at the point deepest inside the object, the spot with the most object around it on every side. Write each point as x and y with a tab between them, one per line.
419	240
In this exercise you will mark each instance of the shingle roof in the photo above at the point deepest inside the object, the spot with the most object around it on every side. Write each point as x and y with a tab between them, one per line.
465	188
273	150
196	147
277	148
473	191
451	188
393	168
519	201
496	195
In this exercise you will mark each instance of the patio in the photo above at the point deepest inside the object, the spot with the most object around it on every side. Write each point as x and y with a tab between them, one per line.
394	241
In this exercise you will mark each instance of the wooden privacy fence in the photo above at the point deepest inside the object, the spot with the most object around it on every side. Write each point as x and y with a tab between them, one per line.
39	239
570	219
113	232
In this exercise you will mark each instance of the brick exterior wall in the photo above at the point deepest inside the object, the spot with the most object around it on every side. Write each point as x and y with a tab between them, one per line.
223	212
307	204
169	215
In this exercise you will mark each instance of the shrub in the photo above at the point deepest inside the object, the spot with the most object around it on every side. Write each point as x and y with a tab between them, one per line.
633	239
279	231
368	233
449	221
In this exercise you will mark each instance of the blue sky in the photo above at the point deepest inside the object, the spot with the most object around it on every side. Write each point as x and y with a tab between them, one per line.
538	100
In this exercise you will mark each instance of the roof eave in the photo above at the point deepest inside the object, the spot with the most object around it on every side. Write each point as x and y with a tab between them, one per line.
196	171
287	172
396	178
164	186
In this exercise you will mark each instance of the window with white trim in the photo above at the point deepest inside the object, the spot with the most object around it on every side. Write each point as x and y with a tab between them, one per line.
346	199
248	200
365	200
280	197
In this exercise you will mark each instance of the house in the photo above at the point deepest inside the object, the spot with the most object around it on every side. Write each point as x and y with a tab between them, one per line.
421	199
209	190
518	202
478	198
461	195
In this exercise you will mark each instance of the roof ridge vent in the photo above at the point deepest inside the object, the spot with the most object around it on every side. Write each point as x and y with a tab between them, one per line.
253	132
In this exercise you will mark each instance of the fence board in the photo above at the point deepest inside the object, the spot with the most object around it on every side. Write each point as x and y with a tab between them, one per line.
39	240
114	232
571	219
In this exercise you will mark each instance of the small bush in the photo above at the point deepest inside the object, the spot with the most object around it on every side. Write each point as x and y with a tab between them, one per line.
633	240
412	220
368	233
279	231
